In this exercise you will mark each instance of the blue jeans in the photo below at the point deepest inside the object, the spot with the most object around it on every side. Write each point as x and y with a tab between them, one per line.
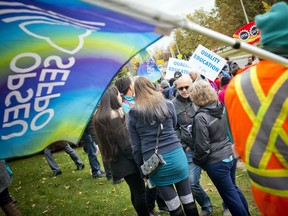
194	178
90	148
222	175
70	151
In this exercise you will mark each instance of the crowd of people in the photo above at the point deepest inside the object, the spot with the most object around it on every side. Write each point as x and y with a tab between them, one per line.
186	117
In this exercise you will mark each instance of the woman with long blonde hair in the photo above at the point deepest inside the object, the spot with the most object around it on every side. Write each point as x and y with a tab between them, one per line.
151	110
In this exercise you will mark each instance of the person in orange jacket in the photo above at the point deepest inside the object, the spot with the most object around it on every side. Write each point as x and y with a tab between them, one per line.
257	105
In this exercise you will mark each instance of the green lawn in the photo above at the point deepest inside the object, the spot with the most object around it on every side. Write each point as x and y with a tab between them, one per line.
77	193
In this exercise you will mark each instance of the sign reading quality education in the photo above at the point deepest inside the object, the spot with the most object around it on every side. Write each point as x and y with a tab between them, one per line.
177	65
206	62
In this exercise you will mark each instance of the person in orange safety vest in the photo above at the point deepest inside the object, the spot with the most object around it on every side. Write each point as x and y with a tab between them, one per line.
257	106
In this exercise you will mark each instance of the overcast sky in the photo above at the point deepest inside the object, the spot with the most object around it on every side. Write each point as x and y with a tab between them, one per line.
175	7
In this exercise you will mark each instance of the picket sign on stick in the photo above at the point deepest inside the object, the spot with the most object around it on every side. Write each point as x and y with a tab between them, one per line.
165	21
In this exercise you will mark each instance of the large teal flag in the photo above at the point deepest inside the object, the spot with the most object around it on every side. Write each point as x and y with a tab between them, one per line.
57	58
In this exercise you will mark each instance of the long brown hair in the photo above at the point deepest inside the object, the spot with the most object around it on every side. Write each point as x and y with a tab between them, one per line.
110	125
149	104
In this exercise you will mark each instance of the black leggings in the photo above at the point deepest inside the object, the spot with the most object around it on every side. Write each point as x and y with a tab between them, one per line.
5	198
174	199
137	190
153	195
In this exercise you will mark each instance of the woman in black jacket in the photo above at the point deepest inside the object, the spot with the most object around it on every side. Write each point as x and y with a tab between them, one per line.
115	146
213	150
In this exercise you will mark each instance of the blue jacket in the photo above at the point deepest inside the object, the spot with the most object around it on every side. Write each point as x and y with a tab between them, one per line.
143	135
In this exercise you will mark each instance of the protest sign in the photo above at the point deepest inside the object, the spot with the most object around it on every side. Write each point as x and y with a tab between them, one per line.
206	62
177	65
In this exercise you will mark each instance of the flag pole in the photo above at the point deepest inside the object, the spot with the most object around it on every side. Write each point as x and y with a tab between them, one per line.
166	22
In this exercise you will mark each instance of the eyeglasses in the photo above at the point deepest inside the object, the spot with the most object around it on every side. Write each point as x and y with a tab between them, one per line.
183	87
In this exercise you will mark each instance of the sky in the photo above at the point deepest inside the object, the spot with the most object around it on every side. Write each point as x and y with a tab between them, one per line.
174	7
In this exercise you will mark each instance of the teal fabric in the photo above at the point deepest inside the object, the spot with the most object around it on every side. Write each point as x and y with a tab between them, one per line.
273	26
8	169
175	170
127	106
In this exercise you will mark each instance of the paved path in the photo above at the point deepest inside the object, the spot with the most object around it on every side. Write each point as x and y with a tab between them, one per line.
241	60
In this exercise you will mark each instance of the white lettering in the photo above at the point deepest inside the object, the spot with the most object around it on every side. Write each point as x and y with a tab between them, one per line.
16	69
18	97
33	125
43	100
23	97
22	123
15	110
54	73
20	78
58	62
49	87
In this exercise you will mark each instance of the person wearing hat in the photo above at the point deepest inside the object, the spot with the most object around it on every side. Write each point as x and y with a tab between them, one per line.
256	100
177	74
166	90
172	82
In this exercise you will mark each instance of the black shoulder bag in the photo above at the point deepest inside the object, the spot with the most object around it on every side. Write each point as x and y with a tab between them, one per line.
156	160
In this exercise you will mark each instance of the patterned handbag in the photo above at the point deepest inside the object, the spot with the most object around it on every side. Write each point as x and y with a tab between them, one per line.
156	160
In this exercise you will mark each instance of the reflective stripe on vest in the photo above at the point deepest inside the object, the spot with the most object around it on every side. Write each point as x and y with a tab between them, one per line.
267	114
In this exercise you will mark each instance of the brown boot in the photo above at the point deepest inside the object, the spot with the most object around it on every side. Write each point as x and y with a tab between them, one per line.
12	209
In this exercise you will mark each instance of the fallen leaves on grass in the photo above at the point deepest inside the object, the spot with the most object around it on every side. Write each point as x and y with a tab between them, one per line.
66	186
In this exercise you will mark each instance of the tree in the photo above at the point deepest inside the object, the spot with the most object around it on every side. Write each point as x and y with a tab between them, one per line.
226	18
232	16
188	41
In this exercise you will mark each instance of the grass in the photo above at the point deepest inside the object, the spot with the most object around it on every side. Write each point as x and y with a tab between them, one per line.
77	193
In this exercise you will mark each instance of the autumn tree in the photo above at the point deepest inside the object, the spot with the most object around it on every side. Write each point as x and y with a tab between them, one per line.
232	15
226	18
187	40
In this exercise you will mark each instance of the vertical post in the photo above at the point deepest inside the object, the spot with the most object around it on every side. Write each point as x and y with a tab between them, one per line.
130	67
245	14
177	47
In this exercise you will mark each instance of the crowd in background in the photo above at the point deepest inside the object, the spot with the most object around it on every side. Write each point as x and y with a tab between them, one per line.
186	118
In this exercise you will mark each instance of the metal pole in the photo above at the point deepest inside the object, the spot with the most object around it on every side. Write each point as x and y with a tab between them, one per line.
164	22
245	14
177	47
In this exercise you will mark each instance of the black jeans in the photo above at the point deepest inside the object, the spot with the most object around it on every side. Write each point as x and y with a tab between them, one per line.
5	198
137	190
